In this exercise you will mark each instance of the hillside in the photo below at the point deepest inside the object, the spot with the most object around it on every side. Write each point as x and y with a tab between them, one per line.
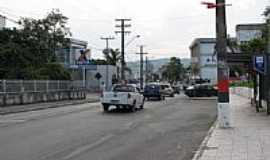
157	63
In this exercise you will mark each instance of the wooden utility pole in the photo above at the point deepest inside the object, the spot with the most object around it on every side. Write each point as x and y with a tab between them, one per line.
123	32
141	65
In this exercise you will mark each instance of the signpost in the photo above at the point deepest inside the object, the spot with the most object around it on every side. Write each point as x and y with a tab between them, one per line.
260	64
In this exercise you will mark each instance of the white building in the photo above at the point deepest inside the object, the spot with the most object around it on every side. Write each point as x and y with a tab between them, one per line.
203	59
2	22
77	58
247	32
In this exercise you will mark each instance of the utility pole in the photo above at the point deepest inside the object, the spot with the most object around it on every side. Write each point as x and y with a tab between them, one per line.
107	39
122	26
268	67
224	110
146	70
141	65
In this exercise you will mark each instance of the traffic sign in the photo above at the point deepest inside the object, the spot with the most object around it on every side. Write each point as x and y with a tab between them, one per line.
260	63
98	76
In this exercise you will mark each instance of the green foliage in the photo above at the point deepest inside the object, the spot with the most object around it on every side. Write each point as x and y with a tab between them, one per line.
112	56
173	71
248	84
257	45
99	62
28	53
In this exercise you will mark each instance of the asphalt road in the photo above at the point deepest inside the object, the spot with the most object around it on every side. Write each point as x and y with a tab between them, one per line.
168	130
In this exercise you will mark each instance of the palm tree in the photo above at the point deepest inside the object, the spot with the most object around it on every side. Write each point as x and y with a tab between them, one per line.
112	56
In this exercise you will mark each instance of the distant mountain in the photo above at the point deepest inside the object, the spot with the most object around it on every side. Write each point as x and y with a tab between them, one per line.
157	63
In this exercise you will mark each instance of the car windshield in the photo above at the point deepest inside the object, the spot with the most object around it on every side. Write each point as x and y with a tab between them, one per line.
123	88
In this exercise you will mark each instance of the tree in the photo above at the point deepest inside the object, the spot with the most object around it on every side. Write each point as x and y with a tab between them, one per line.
112	56
26	51
173	71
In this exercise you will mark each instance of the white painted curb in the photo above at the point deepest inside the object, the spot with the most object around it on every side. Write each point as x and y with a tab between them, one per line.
200	151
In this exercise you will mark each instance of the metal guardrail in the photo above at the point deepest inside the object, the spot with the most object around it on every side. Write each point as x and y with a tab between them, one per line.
24	86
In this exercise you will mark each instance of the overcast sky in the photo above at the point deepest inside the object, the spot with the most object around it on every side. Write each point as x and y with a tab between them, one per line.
167	28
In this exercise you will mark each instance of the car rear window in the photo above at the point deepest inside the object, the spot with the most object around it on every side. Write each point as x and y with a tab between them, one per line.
148	87
123	88
164	86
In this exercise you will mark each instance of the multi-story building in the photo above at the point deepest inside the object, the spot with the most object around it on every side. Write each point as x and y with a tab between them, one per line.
203	59
2	22
247	32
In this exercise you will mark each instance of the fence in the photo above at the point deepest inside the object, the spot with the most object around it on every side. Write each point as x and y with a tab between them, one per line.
13	92
22	86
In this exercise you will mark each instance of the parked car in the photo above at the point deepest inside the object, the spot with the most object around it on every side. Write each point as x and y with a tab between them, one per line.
176	89
127	96
167	90
153	91
203	90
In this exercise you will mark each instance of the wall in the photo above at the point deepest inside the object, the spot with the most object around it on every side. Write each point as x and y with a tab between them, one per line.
209	73
242	91
91	80
208	62
7	99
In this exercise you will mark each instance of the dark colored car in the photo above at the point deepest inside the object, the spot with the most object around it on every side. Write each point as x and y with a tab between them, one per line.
201	91
176	89
153	91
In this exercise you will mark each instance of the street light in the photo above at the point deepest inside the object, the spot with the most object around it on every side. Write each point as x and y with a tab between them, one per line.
132	39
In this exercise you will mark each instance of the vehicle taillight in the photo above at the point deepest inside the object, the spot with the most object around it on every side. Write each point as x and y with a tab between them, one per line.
129	96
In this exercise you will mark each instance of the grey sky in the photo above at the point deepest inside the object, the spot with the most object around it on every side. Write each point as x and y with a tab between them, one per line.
167	28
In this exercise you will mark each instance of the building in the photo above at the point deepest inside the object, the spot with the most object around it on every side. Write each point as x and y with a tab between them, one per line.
247	32
2	22
70	55
77	58
203	59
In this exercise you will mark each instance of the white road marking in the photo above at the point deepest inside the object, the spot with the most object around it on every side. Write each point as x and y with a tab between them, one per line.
87	147
12	121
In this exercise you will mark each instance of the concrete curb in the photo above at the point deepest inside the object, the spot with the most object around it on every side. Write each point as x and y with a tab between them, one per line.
203	145
45	106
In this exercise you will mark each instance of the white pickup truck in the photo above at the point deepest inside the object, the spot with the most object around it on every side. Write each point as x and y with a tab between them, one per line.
126	96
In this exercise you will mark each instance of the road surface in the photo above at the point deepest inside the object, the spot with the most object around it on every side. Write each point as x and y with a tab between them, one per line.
168	130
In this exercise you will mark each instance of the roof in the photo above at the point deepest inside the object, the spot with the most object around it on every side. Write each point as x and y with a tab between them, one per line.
78	42
251	26
202	40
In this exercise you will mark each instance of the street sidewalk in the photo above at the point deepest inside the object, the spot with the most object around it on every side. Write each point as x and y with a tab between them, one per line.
248	139
90	98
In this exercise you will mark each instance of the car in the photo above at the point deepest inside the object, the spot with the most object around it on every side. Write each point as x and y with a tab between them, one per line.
203	90
122	95
167	90
176	89
153	91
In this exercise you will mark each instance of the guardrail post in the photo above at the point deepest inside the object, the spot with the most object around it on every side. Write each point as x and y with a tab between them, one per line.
58	85
35	86
21	91
5	92
47	86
